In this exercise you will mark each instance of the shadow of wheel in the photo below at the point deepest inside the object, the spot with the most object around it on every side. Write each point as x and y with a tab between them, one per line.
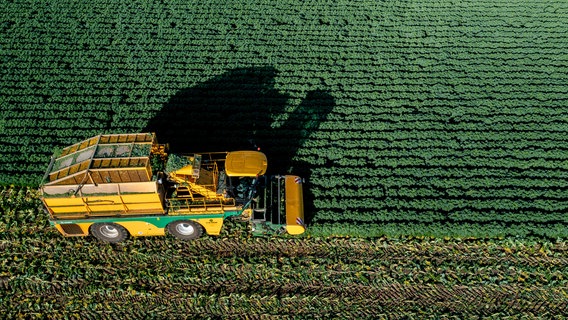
185	229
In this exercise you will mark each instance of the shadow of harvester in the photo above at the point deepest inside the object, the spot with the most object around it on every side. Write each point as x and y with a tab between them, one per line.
237	111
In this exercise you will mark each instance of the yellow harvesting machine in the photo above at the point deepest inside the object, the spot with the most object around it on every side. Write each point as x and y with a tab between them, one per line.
118	185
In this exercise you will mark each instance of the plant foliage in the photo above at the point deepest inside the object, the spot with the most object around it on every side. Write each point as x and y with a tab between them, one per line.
47	276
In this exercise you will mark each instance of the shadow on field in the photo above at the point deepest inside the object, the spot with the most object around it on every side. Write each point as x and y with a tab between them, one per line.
237	111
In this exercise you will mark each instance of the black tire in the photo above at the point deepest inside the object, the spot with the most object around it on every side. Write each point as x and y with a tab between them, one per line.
185	229
109	232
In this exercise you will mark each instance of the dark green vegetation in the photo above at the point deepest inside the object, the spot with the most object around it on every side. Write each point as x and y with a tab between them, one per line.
407	117
43	275
425	118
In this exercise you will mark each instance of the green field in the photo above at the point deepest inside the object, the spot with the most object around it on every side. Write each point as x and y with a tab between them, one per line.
442	118
408	117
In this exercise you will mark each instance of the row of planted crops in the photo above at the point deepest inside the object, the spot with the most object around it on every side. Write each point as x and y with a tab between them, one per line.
414	117
44	275
409	120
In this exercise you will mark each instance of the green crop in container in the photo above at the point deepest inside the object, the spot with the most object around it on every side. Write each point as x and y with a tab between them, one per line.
176	162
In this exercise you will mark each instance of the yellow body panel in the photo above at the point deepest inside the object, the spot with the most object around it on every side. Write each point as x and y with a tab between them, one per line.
125	204
104	203
66	205
141	198
149	207
69	209
149	202
294	205
212	226
141	228
62	202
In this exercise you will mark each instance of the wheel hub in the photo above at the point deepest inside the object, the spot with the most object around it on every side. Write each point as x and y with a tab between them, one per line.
109	231
185	229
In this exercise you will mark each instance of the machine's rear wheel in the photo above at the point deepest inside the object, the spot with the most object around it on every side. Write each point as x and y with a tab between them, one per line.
109	232
185	229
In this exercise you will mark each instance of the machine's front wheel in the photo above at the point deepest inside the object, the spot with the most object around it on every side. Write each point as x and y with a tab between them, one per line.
109	232
185	229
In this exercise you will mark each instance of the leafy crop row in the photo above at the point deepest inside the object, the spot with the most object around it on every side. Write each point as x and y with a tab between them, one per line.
44	275
433	113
